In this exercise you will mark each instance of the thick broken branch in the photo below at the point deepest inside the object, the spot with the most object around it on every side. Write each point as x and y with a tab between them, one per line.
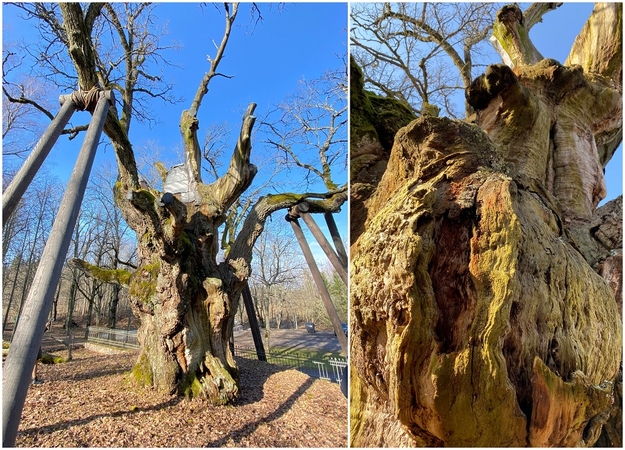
599	46
511	38
241	172
115	276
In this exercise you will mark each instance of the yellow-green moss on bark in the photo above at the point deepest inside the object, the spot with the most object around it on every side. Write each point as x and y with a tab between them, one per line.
191	386
443	336
142	371
143	282
118	276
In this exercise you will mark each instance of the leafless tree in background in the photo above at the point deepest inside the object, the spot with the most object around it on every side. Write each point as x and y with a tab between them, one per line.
422	54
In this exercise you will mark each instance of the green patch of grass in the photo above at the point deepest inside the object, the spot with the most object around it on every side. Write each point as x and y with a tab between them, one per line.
317	355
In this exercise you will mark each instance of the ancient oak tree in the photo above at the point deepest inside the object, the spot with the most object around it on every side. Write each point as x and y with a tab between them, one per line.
485	282
185	298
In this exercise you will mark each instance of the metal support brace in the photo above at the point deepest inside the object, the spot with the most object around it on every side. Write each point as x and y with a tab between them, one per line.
13	193
291	217
22	356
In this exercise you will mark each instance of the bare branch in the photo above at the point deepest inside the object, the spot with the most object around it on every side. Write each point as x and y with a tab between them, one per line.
534	14
255	221
203	88
415	52
74	131
25	101
309	128
189	124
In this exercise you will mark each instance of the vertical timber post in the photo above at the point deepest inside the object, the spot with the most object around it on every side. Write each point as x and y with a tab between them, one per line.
251	316
16	376
14	191
291	217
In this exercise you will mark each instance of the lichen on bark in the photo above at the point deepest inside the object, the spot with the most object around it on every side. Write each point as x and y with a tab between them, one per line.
459	281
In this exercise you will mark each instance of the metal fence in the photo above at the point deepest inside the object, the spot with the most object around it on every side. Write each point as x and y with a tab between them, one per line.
112	337
330	369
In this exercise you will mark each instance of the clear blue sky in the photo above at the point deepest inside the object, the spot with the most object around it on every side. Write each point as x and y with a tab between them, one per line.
267	61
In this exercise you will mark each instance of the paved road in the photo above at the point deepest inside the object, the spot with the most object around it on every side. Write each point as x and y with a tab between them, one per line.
300	340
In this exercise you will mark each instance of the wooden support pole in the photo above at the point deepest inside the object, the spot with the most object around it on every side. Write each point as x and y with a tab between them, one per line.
14	191
22	356
316	274
323	242
336	238
251	316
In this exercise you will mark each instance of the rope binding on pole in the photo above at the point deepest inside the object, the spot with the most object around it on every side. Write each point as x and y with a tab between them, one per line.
86	100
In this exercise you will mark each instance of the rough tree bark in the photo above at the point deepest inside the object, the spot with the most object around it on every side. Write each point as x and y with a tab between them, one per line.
478	316
185	299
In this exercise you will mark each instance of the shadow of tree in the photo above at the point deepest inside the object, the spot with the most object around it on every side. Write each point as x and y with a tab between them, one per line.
65	424
253	378
253	373
238	435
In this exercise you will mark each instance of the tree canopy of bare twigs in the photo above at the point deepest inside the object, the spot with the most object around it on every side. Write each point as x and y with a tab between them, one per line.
421	53
309	129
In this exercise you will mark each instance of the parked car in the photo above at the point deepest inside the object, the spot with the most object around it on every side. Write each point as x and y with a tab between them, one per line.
344	326
310	327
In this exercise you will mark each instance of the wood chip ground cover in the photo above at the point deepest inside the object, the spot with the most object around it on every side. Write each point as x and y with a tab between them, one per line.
91	402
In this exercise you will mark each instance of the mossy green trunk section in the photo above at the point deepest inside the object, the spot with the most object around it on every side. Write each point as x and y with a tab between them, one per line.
374	121
186	313
463	277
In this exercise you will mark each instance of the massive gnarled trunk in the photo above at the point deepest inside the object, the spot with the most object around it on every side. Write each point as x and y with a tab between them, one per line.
186	300
478	316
